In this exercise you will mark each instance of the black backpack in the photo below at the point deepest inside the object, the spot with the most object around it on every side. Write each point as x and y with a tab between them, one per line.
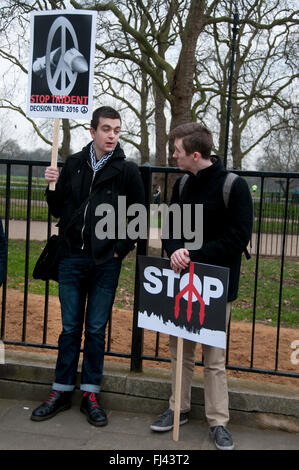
227	186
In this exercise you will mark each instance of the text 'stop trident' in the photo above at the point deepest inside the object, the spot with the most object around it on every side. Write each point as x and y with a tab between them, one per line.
191	290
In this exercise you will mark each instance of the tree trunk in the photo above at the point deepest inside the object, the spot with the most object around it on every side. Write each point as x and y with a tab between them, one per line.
160	125
161	137
144	140
66	139
182	85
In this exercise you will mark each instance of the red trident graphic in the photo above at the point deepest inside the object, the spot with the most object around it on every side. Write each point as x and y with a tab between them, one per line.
190	289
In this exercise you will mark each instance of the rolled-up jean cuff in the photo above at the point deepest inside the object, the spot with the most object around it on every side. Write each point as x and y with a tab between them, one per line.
63	387
90	388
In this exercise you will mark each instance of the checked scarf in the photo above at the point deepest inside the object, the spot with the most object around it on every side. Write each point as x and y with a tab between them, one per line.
98	164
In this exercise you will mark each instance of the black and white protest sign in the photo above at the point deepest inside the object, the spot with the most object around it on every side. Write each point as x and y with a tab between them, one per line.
190	304
61	66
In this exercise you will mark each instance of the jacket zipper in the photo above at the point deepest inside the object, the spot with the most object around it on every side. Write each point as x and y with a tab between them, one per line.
85	211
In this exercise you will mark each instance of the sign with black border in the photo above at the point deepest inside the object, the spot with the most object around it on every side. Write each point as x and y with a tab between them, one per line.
190	304
61	68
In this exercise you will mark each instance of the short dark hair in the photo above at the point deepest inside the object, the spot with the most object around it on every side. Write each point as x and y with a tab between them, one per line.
196	138
103	111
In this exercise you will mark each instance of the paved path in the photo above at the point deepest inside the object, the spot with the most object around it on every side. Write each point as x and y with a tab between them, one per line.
38	230
125	431
270	244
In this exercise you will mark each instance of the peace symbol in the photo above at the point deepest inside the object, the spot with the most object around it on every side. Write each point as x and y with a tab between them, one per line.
63	79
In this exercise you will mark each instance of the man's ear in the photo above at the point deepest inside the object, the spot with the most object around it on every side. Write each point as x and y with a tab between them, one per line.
196	156
92	132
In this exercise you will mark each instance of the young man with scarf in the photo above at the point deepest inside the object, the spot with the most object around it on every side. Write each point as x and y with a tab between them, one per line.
89	268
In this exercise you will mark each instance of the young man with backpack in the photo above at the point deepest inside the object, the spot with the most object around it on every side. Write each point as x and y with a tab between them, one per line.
227	227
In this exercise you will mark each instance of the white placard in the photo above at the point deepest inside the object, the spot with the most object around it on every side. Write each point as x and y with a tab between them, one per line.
61	69
189	305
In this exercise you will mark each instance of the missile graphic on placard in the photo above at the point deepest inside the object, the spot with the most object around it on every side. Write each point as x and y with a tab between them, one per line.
72	58
75	60
39	65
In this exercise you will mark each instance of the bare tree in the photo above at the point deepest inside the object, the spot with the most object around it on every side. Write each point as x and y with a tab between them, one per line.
131	91
14	37
167	61
280	151
172	83
263	74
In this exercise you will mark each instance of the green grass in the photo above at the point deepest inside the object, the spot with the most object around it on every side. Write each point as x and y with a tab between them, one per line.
277	210
273	212
277	226
37	194
19	187
125	291
20	212
16	273
16	267
267	286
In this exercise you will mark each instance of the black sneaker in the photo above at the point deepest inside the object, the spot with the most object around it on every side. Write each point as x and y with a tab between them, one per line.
90	406
57	401
222	438
165	421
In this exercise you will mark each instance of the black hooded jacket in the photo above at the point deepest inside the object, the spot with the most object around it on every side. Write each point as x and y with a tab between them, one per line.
226	231
79	192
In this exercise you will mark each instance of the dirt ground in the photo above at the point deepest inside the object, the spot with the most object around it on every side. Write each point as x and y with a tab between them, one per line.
239	345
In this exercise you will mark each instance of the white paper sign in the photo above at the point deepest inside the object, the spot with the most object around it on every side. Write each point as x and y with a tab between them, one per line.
61	69
190	305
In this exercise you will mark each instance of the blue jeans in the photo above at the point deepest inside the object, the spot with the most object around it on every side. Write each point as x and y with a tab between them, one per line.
84	284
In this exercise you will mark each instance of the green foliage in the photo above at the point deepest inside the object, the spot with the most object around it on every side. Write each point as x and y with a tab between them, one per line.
17	266
267	287
268	291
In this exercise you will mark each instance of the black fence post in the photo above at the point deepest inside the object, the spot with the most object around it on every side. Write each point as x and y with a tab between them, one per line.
142	247
231	78
8	194
7	215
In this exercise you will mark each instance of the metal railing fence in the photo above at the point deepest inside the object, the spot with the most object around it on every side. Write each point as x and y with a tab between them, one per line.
275	235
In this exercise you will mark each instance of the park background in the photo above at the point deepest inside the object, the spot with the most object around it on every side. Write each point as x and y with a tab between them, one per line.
161	63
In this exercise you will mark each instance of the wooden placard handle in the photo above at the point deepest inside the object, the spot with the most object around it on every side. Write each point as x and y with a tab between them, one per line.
54	149
178	389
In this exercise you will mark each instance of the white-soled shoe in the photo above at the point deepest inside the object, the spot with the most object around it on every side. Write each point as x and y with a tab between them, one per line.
165	421
222	438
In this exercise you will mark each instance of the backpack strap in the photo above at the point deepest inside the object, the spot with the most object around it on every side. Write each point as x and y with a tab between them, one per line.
230	178
227	186
182	183
226	189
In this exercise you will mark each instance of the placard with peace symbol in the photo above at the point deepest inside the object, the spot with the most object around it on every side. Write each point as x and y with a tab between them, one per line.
61	67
